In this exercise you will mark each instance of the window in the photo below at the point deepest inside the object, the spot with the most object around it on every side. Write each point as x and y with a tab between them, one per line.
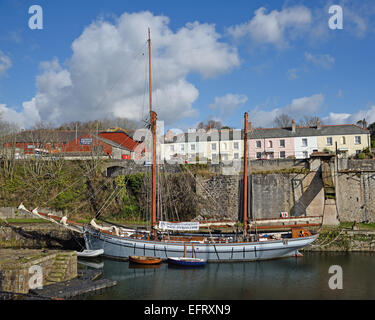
357	152
304	142
329	141
269	144
225	146
235	145
357	140
305	154
215	158
282	143
236	156
259	155
343	140
282	154
171	148
182	147
192	147
259	144
213	146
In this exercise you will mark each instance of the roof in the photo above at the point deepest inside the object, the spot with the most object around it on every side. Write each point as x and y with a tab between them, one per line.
269	133
121	138
324	130
47	135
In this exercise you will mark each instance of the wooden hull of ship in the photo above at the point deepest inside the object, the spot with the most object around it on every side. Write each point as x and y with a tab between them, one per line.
122	247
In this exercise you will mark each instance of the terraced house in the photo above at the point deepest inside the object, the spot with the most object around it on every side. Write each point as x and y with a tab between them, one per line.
266	143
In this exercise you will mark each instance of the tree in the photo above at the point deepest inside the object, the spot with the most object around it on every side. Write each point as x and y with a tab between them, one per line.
371	127
8	132
282	121
309	121
211	124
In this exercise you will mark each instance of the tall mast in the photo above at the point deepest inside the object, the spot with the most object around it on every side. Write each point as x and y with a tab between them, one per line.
245	176
153	129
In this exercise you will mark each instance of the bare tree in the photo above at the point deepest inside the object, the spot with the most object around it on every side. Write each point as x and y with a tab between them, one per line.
310	121
282	121
211	124
8	150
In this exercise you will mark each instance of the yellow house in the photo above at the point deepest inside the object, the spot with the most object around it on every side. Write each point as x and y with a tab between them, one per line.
348	139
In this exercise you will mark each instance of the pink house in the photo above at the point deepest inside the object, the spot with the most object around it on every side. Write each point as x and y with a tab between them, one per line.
267	144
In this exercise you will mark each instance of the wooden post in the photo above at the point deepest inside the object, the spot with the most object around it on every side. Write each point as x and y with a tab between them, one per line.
245	177
153	123
153	129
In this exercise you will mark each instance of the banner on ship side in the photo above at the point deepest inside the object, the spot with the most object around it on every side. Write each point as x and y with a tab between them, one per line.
180	226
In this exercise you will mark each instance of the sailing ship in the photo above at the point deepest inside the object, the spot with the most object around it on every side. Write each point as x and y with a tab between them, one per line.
122	243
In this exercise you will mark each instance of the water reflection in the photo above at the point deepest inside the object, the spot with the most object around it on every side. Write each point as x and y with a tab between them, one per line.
290	278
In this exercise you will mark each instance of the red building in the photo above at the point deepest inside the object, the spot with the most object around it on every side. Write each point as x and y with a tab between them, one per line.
75	144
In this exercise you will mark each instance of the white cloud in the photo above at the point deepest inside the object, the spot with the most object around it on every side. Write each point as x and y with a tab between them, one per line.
292	74
5	63
298	108
351	118
276	27
325	61
305	105
227	104
107	71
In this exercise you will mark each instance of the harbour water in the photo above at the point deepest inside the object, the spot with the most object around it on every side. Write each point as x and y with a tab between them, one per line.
304	277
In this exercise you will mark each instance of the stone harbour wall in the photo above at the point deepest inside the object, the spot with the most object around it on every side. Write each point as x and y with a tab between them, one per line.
38	236
16	272
355	196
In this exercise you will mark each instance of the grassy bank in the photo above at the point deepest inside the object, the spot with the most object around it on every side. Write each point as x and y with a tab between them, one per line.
76	188
345	239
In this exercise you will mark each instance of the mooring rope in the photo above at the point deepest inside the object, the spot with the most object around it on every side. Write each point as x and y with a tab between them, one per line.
326	244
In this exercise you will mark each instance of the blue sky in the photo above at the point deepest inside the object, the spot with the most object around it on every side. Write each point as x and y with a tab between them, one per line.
211	59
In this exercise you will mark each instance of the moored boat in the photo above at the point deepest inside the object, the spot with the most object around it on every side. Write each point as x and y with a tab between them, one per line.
187	262
145	260
90	253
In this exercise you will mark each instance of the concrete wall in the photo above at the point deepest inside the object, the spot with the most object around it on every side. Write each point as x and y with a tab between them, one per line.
355	196
221	197
297	194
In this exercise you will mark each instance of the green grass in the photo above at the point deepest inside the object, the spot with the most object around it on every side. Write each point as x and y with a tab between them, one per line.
361	226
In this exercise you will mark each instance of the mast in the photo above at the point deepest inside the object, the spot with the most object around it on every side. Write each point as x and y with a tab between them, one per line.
153	118
245	177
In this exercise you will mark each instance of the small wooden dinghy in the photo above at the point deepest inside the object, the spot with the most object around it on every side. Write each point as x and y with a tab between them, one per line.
187	262
90	253
144	260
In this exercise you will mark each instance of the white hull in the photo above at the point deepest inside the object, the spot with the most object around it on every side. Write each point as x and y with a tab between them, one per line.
123	247
90	253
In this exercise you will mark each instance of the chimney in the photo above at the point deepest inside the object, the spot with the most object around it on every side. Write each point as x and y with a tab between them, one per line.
364	123
318	124
250	126
293	126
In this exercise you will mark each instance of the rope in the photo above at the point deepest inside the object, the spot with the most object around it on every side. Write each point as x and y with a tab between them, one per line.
107	202
323	245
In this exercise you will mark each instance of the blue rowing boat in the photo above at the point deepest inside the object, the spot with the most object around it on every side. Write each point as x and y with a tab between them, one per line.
187	262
